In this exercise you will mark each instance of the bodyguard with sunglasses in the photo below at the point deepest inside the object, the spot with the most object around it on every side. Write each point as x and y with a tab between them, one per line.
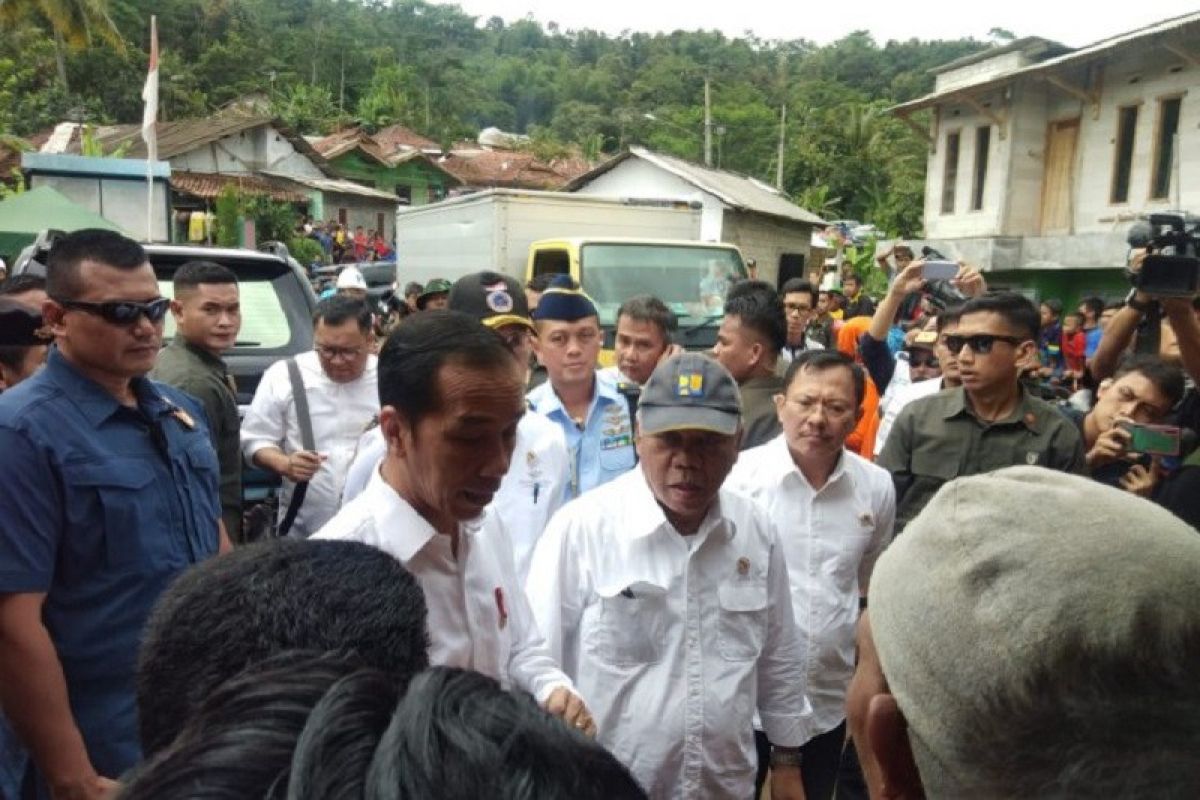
987	423
108	490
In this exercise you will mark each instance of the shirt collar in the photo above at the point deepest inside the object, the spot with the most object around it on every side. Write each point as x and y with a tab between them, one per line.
200	353
781	465
645	517
1024	413
545	400
399	524
93	401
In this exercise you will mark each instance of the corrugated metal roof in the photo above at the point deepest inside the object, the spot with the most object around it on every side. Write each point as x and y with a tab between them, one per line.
335	186
395	138
186	135
209	184
1083	54
734	190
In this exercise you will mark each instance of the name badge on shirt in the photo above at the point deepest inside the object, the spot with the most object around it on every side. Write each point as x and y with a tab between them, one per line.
616	440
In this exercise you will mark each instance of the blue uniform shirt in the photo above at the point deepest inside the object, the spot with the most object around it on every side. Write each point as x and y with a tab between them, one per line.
103	505
603	448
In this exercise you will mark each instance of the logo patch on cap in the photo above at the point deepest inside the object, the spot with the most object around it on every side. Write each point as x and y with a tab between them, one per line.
499	300
690	385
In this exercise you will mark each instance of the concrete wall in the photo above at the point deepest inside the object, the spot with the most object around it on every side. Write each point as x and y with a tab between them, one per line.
1013	197
258	149
636	178
980	71
359	211
765	239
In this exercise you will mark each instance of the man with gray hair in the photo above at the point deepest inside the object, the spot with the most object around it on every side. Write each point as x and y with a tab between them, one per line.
1033	658
666	599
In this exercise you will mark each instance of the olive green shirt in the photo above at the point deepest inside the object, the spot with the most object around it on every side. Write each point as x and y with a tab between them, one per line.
204	377
759	418
938	438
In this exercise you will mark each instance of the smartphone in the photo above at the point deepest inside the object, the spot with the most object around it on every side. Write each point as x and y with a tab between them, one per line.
1154	440
939	270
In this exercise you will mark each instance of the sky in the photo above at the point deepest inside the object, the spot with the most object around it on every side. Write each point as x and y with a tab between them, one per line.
1068	21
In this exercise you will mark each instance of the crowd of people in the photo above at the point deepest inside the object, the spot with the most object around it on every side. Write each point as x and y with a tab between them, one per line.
341	245
856	550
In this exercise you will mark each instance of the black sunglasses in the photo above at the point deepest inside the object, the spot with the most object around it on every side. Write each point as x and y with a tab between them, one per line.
122	312
980	343
928	360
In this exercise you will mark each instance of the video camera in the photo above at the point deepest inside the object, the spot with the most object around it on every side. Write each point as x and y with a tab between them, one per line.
1172	268
942	293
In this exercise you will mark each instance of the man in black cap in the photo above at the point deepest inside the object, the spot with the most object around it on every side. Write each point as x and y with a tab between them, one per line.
579	398
23	343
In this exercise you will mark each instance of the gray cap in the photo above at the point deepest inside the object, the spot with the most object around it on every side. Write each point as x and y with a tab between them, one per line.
690	391
1002	583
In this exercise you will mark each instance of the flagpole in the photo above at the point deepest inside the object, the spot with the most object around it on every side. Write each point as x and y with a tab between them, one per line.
149	123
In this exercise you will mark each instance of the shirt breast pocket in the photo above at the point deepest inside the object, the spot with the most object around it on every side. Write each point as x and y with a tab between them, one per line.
742	627
616	459
124	509
630	628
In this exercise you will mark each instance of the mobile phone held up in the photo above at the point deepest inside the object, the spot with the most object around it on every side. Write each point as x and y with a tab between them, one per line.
939	270
1153	440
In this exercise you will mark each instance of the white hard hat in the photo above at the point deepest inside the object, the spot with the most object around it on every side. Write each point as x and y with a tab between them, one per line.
351	278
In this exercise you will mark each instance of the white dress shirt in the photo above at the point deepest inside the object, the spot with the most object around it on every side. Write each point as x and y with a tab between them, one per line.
478	616
534	487
339	412
831	538
674	640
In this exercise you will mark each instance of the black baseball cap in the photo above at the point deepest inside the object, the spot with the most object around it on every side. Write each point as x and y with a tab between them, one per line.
495	300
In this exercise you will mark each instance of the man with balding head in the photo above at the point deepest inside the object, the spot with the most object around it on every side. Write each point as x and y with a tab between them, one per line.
1033	658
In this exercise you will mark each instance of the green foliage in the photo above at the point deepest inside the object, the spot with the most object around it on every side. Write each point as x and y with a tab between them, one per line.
273	221
305	250
229	212
431	67
874	279
90	146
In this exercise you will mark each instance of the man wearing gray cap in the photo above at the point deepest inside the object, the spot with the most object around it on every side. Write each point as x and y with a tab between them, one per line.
666	599
1032	658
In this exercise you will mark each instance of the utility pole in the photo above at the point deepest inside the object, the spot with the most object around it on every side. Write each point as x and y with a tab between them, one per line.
779	157
707	124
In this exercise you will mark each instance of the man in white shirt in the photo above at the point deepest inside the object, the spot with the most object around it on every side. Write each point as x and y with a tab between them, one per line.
835	512
535	485
339	382
452	398
667	600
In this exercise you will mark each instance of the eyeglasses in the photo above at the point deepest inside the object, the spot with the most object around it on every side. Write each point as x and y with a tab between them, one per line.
980	343
121	312
796	308
923	361
335	353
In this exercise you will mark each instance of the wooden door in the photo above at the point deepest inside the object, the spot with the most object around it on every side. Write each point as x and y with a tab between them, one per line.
1059	176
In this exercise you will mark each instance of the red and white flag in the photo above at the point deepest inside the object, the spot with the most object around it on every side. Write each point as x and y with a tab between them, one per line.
150	96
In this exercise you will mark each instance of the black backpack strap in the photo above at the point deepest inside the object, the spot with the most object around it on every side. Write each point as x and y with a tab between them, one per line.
300	398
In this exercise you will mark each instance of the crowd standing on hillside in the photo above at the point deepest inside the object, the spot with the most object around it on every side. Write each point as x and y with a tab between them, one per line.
897	546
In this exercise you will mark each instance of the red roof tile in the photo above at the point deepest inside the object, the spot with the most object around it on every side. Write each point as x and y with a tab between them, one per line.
208	185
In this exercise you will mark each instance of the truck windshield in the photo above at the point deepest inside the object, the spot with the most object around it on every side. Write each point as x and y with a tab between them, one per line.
692	281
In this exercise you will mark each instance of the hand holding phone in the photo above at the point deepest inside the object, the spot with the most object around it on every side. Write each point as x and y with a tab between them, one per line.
940	270
1155	440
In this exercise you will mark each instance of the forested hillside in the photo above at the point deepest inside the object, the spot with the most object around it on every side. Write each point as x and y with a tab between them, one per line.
329	63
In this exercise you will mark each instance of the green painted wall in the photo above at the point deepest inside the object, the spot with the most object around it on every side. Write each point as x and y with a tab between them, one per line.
1068	285
418	176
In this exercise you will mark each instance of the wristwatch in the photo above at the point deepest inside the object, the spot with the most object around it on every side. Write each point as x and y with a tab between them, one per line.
1140	306
786	756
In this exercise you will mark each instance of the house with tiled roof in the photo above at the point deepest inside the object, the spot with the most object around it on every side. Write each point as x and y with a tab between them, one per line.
402	169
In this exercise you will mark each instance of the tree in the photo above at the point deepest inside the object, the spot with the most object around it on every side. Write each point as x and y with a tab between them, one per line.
73	25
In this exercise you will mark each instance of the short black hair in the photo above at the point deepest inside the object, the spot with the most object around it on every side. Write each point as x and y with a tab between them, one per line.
194	273
90	244
821	360
800	285
1168	378
648	308
852	276
243	737
20	284
1093	304
338	308
1016	309
759	308
457	735
1054	304
412	287
414	353
262	599
540	283
948	316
